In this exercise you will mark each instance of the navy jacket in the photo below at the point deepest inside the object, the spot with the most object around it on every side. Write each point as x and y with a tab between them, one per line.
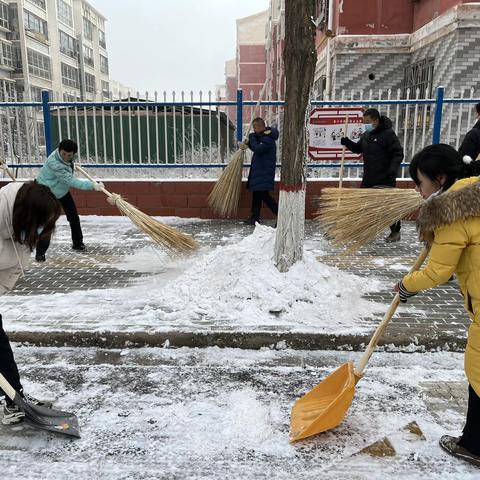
262	171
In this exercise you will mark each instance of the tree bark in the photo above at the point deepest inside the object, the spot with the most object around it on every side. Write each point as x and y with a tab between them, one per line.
299	56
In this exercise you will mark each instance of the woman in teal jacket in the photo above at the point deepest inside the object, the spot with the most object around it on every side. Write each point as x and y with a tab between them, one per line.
57	174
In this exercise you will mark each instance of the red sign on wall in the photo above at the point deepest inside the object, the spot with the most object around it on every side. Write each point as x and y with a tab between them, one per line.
327	126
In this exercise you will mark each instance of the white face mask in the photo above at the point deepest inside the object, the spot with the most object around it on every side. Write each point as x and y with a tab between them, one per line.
438	192
40	230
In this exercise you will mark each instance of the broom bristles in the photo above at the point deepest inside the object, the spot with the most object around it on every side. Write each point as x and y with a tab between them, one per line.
225	195
354	217
161	234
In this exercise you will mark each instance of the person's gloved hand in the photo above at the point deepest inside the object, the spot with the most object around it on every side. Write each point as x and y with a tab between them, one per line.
343	140
98	186
403	293
267	132
243	145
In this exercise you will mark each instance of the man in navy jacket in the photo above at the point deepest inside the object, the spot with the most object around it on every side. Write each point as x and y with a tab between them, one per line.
261	178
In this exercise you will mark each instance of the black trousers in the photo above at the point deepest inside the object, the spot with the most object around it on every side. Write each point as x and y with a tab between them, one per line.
470	438
70	210
260	197
8	367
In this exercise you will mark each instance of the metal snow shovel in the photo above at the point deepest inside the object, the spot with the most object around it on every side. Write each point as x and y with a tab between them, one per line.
41	417
325	406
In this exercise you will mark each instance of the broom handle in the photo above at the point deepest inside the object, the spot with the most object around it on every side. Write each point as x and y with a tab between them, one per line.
252	118
386	319
84	172
9	172
342	163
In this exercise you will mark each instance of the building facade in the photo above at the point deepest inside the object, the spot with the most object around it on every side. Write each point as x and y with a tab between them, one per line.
406	46
54	45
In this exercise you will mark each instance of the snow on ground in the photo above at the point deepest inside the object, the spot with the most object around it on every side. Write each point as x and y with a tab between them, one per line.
234	286
224	413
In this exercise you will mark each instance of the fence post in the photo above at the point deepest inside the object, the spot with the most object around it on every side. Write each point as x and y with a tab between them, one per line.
437	122
47	127
239	115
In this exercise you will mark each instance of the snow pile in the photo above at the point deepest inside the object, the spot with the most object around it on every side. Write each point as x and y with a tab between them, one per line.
232	287
240	282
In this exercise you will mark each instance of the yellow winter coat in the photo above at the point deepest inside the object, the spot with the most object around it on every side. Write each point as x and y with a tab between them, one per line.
451	221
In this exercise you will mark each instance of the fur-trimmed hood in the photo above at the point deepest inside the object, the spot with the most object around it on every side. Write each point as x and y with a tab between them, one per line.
460	202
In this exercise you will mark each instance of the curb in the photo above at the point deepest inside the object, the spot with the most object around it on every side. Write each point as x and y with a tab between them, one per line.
243	340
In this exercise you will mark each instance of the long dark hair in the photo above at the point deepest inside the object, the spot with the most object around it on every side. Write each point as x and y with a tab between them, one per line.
436	160
35	206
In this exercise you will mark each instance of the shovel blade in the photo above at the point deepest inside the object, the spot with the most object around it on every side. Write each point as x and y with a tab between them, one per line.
325	406
56	421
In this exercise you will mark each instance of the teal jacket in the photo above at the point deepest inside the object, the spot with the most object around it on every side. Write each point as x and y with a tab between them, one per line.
58	176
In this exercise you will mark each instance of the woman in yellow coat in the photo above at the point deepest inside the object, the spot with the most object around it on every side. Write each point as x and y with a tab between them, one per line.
450	222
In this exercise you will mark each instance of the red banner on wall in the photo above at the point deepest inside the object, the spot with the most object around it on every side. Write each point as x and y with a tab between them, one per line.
326	126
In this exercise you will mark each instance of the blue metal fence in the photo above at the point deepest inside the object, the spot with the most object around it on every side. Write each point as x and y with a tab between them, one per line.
117	123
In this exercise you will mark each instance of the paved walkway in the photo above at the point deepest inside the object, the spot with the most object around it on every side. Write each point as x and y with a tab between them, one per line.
224	413
432	320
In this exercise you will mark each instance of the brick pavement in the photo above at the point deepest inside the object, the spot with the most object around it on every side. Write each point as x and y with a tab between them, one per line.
433	319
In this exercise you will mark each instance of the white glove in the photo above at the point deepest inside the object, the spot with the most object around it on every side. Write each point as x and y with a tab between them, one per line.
98	186
242	146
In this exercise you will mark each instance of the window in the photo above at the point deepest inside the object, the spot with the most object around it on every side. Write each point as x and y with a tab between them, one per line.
88	56
3	15
7	55
33	23
64	11
36	93
17	58
101	38
70	97
67	44
38	3
38	64
90	83
321	13
103	64
88	29
41	133
69	76
419	76
105	89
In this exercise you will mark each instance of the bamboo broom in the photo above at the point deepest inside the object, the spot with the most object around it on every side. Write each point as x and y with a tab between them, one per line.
225	195
163	235
354	217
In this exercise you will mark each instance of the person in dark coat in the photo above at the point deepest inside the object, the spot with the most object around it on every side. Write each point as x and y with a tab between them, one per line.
261	178
382	156
470	146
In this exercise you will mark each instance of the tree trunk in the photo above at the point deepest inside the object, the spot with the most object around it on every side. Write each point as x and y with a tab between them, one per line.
299	56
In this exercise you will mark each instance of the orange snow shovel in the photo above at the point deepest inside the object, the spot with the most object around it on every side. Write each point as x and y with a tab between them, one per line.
325	406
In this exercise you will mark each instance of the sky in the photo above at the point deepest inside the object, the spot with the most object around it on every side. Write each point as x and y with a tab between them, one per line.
172	44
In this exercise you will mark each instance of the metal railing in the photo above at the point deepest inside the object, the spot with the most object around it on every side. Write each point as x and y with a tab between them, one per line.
184	134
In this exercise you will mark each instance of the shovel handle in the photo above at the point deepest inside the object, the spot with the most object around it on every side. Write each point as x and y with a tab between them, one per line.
386	319
7	388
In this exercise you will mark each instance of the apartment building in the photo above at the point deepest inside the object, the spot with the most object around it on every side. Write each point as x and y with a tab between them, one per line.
55	45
